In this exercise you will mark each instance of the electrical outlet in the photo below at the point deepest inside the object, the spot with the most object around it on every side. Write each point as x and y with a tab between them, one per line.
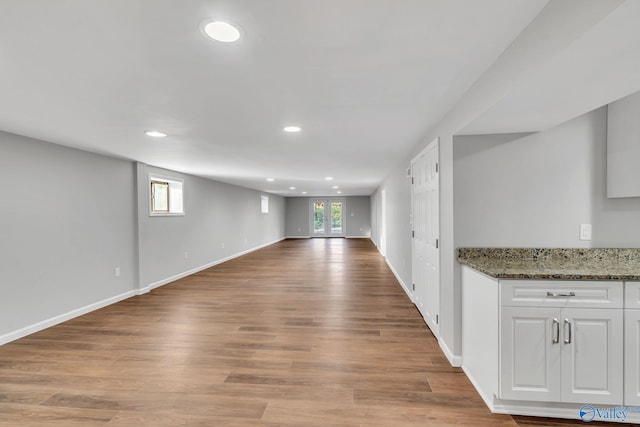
116	271
186	255
299	229
223	246
585	231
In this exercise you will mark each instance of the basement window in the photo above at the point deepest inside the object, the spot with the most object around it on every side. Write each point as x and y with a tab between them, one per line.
165	196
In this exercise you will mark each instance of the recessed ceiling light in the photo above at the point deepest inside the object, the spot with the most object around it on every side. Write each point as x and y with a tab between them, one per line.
335	187
155	133
292	188
329	178
292	129
270	179
222	31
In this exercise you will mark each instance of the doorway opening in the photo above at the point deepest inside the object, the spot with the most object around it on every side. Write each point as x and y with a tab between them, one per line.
327	218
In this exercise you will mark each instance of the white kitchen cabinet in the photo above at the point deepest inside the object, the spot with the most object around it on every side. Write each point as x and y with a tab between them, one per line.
529	354
548	347
623	150
592	360
632	344
561	354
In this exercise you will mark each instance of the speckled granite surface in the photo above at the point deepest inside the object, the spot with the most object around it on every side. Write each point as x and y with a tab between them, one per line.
554	263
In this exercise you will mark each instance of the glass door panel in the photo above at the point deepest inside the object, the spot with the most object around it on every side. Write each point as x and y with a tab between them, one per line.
336	219
318	218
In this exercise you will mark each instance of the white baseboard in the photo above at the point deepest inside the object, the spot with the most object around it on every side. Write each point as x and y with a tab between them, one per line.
488	399
298	237
404	286
27	330
36	327
453	359
358	237
203	267
563	410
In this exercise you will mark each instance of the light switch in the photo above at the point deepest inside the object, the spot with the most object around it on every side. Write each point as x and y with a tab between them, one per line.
585	231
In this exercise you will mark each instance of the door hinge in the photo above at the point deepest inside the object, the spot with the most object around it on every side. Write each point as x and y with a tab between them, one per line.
411	180
414	286
437	243
413	233
437	319
436	167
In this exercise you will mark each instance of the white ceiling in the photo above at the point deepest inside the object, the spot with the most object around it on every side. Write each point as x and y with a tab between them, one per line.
364	78
600	65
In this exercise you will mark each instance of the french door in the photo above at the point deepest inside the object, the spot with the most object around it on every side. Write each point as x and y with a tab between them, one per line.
327	218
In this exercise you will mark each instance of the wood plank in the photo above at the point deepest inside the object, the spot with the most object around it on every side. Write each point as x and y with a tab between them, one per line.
304	332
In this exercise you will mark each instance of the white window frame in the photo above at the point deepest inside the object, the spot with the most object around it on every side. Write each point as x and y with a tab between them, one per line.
176	195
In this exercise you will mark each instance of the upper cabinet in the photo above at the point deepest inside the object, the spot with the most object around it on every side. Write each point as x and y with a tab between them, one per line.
623	147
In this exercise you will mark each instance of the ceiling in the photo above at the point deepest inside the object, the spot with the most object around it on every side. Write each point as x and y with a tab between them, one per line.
597	65
364	79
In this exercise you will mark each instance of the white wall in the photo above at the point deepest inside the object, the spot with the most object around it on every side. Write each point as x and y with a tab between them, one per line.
395	223
297	216
70	217
535	190
520	60
357	216
215	214
68	220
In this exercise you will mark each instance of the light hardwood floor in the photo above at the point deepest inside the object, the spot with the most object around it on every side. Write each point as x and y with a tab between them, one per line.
302	333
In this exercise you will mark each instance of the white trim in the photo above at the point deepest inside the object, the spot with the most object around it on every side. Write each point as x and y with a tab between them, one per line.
488	400
328	201
454	360
555	410
298	237
28	330
404	286
153	176
36	327
203	267
358	237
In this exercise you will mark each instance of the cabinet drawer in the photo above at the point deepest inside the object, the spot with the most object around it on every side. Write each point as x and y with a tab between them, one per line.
556	293
632	295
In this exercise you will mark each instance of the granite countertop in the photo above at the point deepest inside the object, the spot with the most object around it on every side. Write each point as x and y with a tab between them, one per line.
554	263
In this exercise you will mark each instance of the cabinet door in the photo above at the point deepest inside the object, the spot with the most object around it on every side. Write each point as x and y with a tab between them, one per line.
632	357
592	351
530	352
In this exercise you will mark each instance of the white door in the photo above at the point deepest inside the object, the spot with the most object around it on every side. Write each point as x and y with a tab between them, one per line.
592	355
426	229
327	218
632	357
530	353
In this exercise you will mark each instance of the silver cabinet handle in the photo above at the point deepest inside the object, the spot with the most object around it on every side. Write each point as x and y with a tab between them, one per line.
556	331
567	322
560	294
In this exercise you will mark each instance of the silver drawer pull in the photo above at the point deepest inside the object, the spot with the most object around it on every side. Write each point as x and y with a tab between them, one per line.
560	294
567	322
